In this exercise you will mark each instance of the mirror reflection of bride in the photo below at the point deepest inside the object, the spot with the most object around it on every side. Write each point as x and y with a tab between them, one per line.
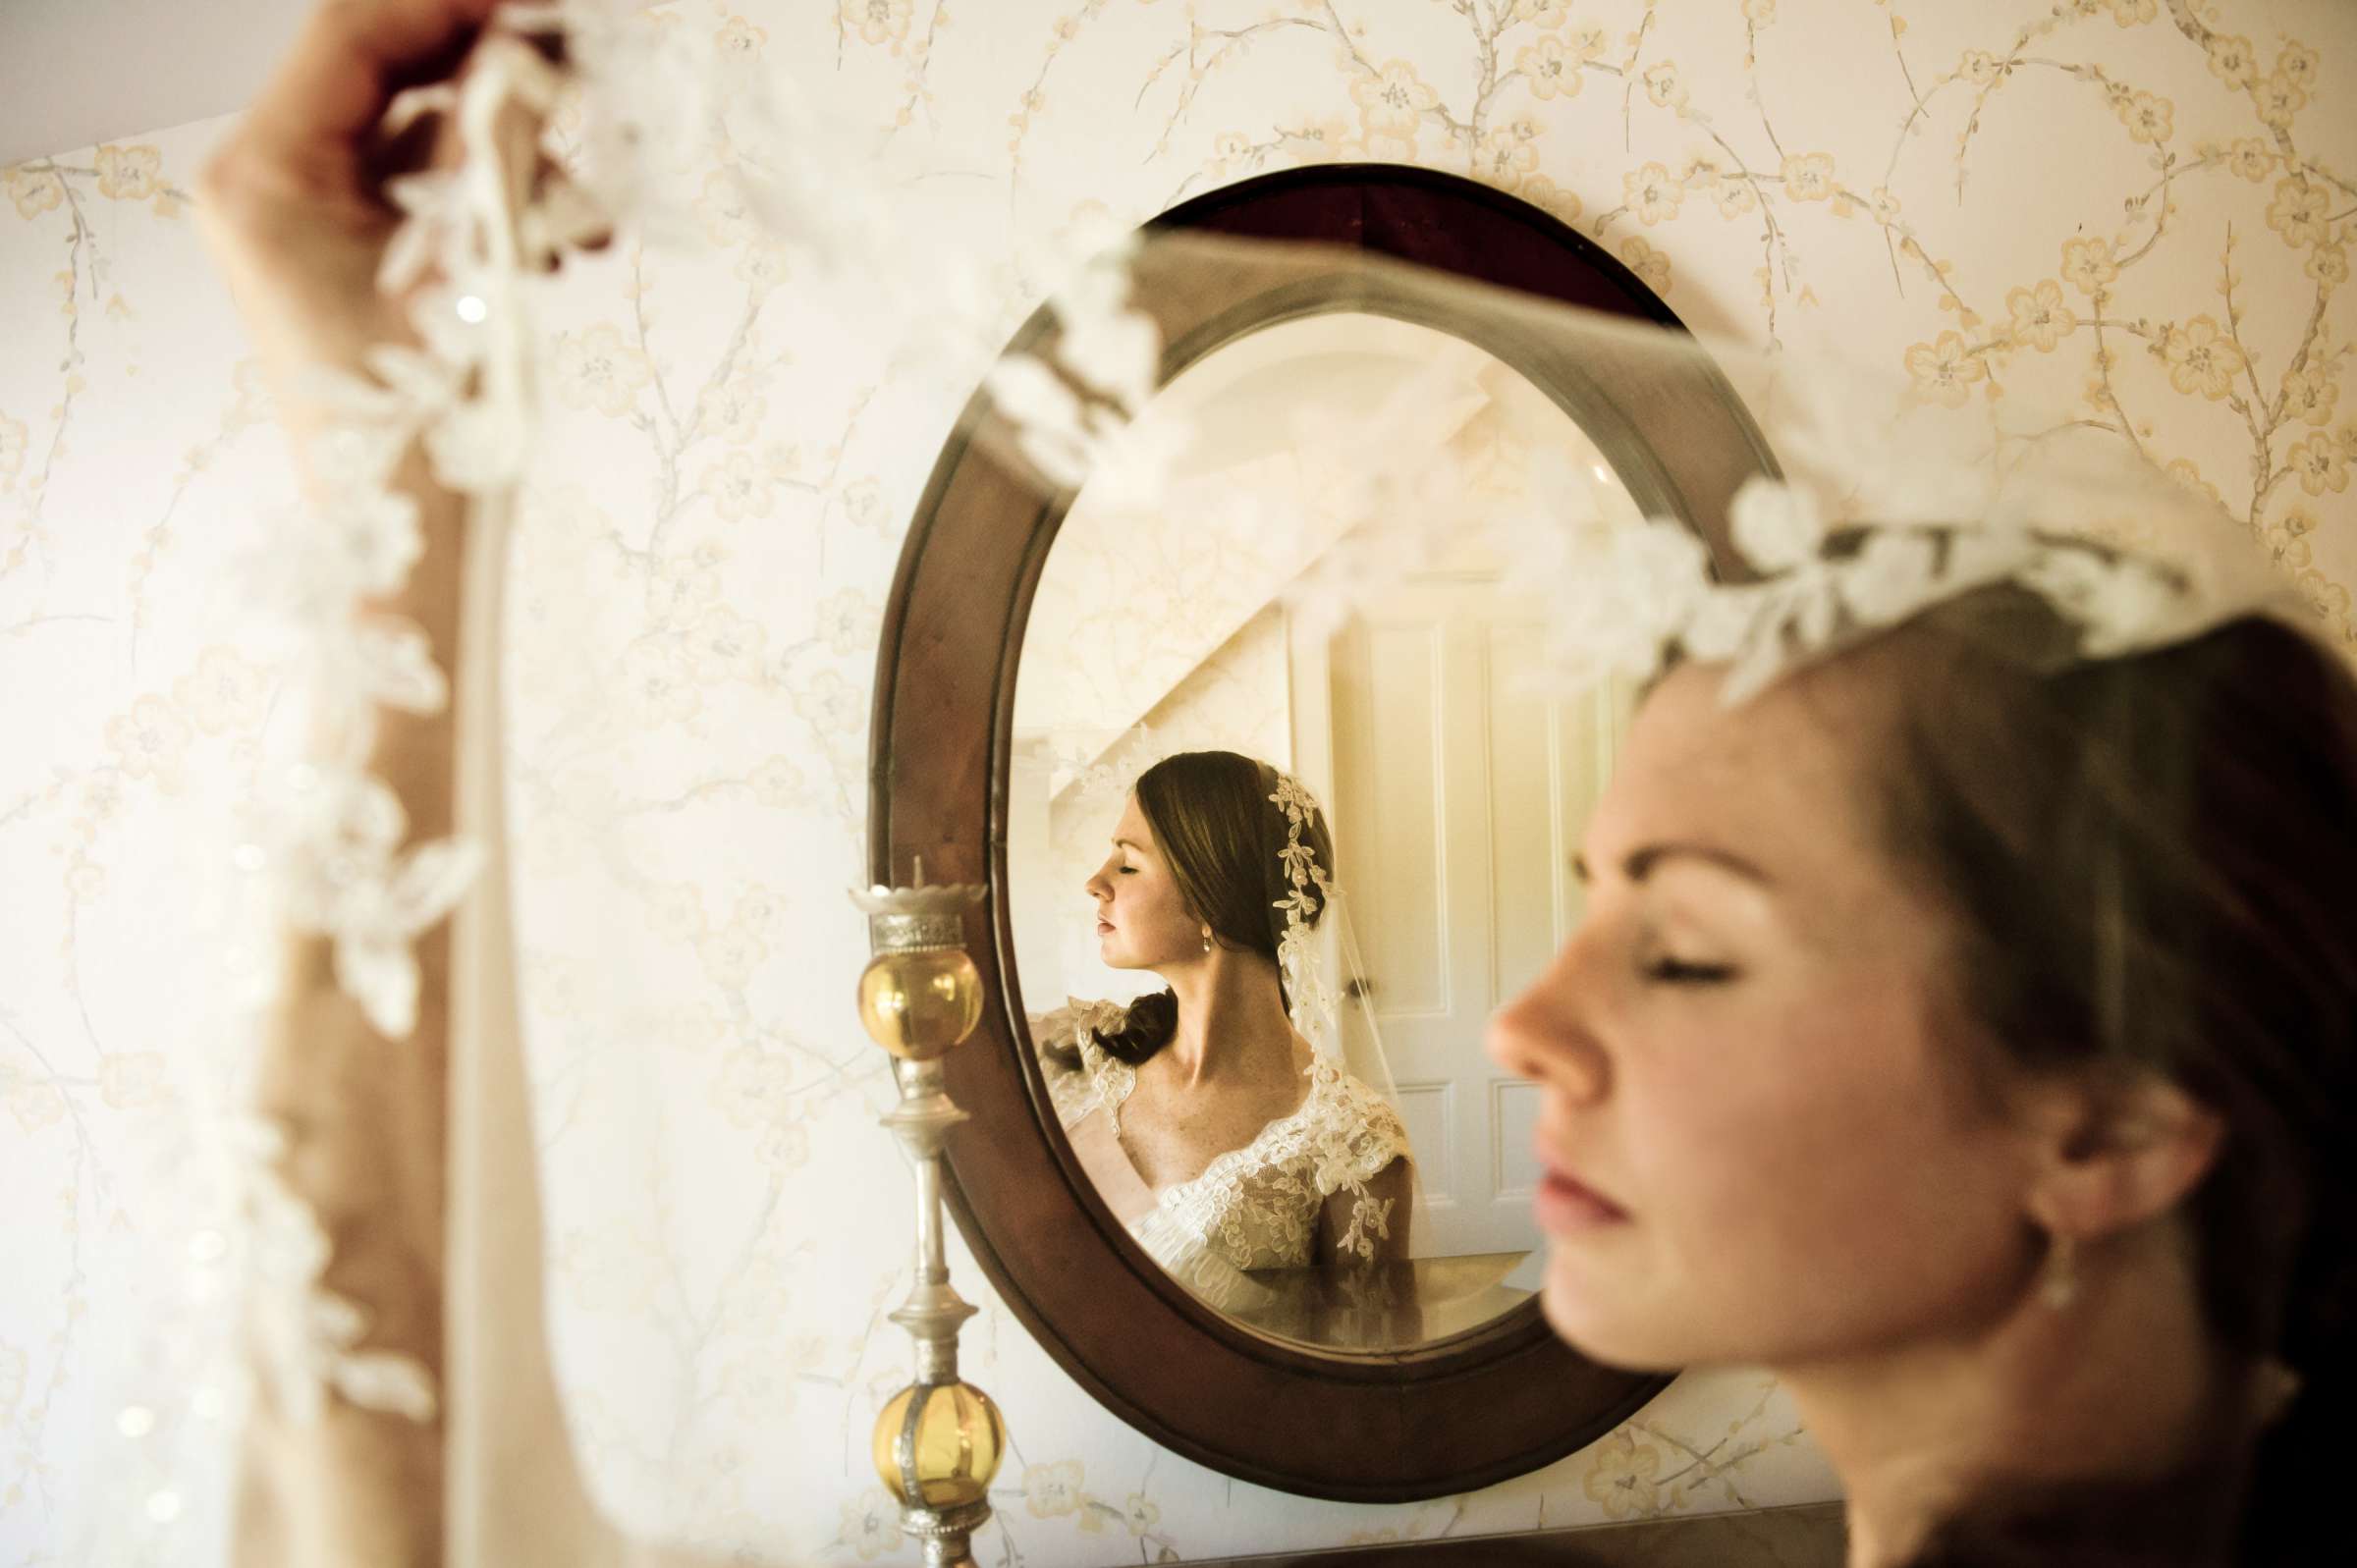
1211	1125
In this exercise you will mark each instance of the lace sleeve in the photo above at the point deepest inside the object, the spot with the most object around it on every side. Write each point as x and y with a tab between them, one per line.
1056	1040
1111	1079
1068	1089
1080	1075
1358	1137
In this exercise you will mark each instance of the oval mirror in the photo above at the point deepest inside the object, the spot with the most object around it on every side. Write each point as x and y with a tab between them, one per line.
1040	648
1450	801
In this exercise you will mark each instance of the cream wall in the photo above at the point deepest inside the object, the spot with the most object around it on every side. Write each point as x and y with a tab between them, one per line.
2137	206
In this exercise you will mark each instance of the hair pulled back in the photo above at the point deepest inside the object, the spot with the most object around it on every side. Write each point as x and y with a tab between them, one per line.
2153	862
1215	818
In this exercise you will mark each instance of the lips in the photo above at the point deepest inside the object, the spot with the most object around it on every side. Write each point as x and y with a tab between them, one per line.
1566	1205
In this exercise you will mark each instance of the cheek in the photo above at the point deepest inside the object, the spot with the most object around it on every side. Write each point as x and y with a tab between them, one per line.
1815	1171
1151	908
1162	896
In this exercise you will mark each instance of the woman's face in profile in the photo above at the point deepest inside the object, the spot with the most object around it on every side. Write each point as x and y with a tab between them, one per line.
1762	1141
1142	919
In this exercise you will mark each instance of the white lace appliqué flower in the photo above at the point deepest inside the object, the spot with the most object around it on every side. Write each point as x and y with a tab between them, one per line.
1096	768
348	880
1777	527
1889	576
2115	602
1077	419
1370	1222
309	1334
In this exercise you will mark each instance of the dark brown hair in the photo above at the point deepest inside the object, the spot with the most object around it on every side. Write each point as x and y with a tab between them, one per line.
2153	865
1216	820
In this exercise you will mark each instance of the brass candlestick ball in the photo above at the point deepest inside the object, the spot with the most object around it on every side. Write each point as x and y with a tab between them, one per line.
950	1444
918	1004
938	1441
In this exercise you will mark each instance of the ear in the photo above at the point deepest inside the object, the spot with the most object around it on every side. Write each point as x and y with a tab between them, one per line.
2112	1157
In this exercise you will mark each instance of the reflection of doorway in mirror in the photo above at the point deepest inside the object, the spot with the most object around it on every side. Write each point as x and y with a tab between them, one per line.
1457	799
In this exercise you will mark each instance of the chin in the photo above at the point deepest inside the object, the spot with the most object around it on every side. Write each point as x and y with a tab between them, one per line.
1612	1333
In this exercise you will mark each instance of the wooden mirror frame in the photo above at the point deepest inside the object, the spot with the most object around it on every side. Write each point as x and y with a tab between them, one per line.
1497	1400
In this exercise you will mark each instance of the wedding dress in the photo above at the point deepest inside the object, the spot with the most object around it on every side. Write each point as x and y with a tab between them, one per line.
1255	1207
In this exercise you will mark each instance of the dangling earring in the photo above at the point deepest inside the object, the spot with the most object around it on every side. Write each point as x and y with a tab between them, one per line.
2058	1282
1207	939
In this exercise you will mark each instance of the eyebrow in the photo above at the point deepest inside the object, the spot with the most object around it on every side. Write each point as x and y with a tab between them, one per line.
1640	863
1124	843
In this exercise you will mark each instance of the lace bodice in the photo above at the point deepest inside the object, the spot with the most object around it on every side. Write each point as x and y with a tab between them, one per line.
1254	1207
1259	1205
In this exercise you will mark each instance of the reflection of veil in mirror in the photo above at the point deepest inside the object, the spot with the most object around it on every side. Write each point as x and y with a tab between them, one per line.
627	640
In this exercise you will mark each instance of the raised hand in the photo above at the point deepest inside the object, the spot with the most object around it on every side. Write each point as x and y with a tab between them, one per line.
293	202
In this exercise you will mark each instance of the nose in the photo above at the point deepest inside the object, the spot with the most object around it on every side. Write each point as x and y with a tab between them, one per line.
1545	1035
1099	886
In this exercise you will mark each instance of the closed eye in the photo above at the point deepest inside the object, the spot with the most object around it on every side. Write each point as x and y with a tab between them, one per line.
1678	972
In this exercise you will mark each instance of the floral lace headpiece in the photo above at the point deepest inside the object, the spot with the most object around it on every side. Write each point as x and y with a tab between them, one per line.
1625	601
1311	894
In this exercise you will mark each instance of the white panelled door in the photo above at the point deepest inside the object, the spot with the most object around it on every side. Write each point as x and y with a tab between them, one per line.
1456	796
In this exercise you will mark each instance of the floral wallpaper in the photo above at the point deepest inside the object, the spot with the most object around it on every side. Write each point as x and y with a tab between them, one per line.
2136	210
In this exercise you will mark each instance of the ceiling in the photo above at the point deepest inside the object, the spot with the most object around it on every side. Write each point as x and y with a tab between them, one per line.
78	72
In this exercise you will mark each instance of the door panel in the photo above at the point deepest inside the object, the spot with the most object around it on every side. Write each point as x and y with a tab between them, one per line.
1455	797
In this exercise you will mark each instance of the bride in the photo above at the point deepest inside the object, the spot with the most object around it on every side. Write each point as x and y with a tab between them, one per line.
1211	1126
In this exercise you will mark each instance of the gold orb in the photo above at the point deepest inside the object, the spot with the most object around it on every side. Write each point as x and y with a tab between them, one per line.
960	1441
918	1004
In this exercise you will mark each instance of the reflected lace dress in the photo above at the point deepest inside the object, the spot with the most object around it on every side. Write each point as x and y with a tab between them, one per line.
1254	1207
